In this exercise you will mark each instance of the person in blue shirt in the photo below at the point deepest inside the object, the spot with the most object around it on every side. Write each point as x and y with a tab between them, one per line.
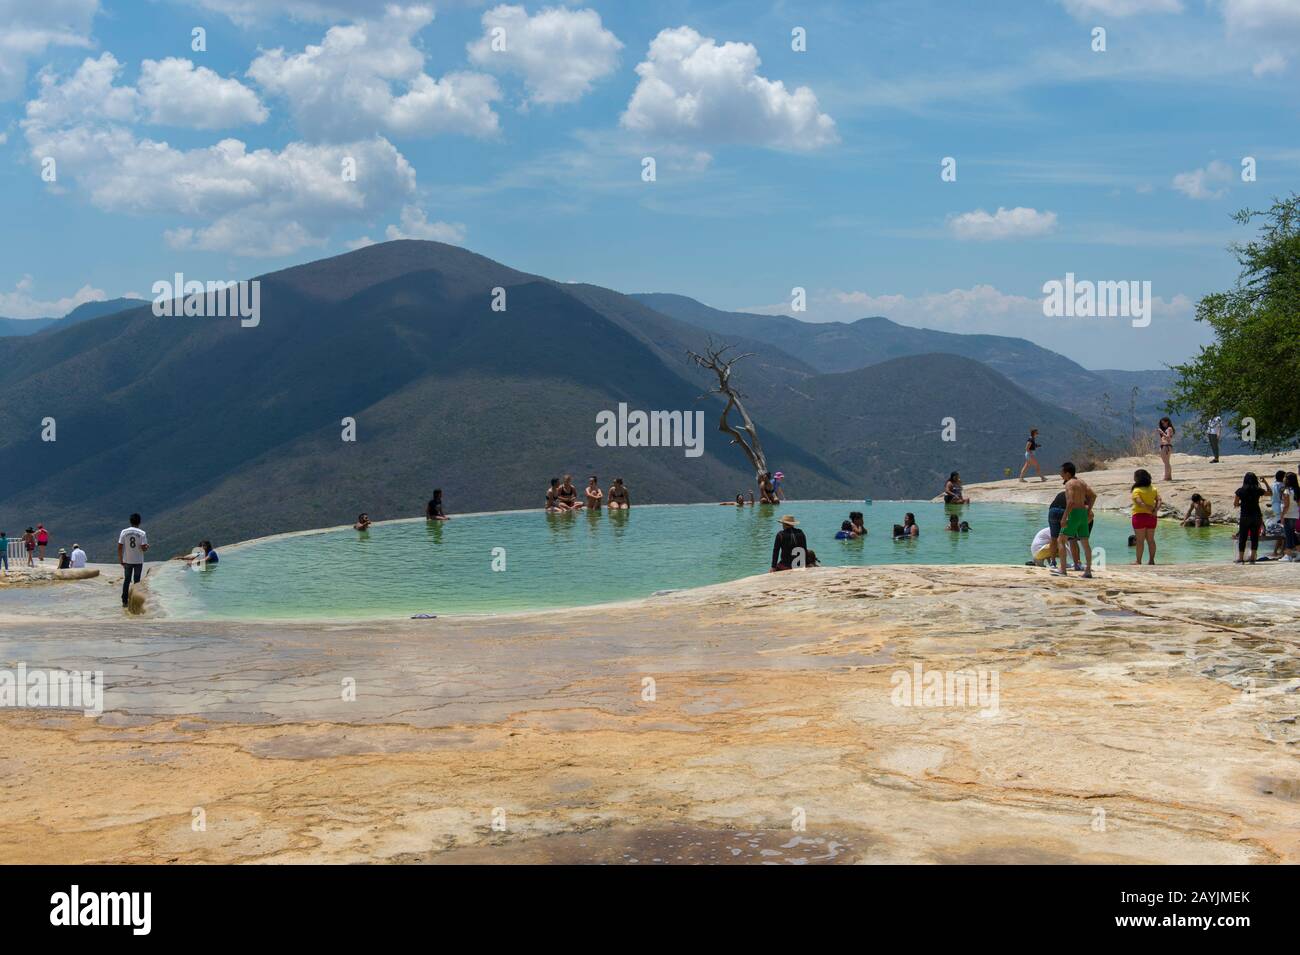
207	555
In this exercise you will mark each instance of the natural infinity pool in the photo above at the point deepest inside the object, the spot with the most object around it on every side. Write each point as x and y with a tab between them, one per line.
567	560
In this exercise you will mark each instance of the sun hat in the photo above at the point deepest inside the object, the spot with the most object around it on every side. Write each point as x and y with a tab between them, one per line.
788	519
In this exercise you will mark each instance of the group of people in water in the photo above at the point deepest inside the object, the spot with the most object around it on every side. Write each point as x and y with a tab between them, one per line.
562	496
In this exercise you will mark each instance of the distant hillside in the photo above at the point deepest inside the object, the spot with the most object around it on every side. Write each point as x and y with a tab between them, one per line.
884	424
213	430
844	346
87	310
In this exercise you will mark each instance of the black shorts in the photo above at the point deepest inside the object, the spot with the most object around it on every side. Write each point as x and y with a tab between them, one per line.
1054	515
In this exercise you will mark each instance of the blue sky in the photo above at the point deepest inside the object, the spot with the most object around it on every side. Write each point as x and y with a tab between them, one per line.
775	168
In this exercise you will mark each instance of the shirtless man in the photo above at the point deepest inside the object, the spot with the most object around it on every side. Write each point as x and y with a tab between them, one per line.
1198	514
618	496
566	496
1079	499
594	494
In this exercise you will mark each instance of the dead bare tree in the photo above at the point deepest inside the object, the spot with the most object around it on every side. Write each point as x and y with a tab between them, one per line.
714	359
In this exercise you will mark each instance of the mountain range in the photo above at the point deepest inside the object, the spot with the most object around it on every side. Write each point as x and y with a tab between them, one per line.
87	310
213	430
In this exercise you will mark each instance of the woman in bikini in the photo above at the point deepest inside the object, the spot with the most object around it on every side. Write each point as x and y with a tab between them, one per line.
619	499
1166	432
566	495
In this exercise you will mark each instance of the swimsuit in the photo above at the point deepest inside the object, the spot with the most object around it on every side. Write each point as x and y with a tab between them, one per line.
1076	524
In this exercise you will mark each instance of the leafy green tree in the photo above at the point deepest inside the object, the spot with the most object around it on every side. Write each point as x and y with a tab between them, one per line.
1252	370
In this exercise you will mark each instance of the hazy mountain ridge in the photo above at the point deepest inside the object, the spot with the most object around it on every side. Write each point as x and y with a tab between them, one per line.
87	310
845	346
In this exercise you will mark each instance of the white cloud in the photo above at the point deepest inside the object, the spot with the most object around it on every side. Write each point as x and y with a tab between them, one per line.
21	303
254	12
1208	183
344	88
1272	63
415	225
1017	223
174	92
560	53
28	30
258	202
88	94
171	92
1121	8
1262	17
692	88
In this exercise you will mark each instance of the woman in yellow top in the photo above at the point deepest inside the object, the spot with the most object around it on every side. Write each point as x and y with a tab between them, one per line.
1146	504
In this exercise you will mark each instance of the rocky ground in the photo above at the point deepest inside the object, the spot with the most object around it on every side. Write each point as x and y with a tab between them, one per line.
1148	715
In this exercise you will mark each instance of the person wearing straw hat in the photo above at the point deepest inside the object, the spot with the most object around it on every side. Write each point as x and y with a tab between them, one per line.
790	549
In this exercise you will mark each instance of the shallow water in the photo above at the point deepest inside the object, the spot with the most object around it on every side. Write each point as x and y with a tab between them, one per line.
582	558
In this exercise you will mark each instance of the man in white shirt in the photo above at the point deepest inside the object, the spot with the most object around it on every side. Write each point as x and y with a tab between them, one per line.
131	545
1213	431
78	556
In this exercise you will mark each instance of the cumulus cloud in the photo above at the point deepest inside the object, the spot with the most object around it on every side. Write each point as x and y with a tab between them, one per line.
692	88
175	92
559	53
369	77
416	225
1121	8
258	202
1017	223
28	30
171	92
1208	183
22	303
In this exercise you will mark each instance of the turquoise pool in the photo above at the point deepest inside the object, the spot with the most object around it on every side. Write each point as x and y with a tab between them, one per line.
566	560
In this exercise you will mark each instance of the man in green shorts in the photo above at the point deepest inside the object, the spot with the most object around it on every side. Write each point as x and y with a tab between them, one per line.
1079	498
